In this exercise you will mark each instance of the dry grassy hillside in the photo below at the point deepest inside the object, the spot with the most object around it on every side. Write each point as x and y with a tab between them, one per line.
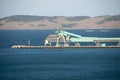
25	22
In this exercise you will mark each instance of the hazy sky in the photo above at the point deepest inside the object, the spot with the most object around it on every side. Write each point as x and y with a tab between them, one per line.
59	7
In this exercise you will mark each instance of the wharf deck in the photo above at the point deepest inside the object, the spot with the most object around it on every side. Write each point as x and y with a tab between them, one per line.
57	47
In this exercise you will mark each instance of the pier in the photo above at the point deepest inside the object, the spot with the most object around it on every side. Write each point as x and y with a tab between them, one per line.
60	47
64	38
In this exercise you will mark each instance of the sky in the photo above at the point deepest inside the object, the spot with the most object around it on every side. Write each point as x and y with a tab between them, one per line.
90	8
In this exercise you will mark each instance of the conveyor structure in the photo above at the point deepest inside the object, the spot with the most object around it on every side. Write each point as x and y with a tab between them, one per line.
67	37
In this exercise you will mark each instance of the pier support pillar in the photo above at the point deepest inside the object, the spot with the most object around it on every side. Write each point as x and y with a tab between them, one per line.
118	43
97	43
77	44
66	45
47	43
64	39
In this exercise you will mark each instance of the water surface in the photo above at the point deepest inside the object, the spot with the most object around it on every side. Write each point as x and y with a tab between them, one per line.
56	64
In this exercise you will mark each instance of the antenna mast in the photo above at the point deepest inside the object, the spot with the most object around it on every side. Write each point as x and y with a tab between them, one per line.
28	42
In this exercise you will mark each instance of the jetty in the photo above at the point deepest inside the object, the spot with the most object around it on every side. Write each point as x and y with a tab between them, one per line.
62	39
58	47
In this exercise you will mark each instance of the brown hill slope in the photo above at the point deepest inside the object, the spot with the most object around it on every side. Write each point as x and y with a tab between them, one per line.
24	22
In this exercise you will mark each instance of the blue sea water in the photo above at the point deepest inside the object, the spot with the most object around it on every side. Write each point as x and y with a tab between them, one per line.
56	64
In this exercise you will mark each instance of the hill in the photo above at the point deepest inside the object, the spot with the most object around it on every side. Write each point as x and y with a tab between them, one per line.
27	22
